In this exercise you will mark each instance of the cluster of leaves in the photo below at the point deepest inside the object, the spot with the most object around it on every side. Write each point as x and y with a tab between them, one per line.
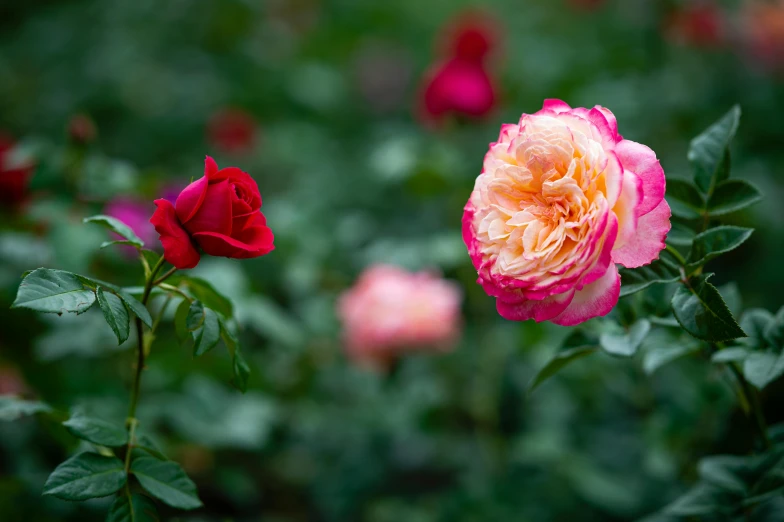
204	317
733	489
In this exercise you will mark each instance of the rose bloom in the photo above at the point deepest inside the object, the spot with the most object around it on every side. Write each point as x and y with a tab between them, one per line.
218	213
562	198
700	25
14	178
134	214
231	131
390	311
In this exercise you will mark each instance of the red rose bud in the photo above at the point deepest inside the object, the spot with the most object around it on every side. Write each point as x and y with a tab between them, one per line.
458	87
219	213
231	131
81	129
14	177
471	36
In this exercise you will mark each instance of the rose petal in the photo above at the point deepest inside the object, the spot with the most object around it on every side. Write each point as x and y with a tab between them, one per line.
648	240
594	300
244	186
642	161
190	199
554	104
543	310
210	167
625	208
214	215
178	248
255	242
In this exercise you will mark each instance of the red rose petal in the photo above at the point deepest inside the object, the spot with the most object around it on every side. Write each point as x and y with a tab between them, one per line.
178	248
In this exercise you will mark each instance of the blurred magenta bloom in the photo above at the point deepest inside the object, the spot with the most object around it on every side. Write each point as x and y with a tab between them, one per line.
699	25
135	214
231	131
14	178
460	83
390	311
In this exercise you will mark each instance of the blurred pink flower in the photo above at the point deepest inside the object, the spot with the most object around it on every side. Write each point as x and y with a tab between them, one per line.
390	311
699	25
460	83
231	131
135	214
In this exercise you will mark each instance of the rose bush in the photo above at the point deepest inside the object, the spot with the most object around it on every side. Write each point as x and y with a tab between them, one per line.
218	213
562	198
390	310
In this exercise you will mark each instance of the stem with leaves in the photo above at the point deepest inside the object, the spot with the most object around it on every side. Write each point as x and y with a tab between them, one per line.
131	421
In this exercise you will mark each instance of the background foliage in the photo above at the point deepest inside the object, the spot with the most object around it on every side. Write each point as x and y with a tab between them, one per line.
350	177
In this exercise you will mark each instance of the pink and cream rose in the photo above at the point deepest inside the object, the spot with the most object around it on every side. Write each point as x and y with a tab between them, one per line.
562	198
390	311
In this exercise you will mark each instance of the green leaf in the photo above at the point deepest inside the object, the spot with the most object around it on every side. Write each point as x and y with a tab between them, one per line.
166	481
13	408
118	242
133	304
241	372
206	293
139	508
720	471
207	336
755	322
774	331
118	227
709	153
732	195
684	198
663	270
195	317
115	313
702	499
762	368
555	364
97	431
86	475
181	320
701	311
146	443
730	355
715	242
625	344
54	291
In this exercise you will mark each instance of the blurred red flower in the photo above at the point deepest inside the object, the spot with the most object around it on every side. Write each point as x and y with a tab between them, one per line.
698	25
460	83
14	177
231	131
